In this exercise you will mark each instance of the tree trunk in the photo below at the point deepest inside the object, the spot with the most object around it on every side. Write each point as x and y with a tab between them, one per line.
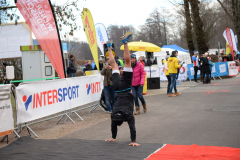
198	27
188	28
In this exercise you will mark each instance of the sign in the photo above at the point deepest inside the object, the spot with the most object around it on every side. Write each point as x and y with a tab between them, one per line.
213	73
191	72
232	68
182	76
153	72
89	29
162	73
64	45
6	113
37	100
230	38
102	36
39	17
221	68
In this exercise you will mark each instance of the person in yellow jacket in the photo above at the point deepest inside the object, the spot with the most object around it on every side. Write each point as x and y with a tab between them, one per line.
165	62
172	66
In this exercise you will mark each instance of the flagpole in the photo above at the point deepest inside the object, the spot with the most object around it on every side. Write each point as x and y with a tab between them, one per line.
60	43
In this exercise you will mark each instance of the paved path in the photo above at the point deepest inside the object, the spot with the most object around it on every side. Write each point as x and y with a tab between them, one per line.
204	115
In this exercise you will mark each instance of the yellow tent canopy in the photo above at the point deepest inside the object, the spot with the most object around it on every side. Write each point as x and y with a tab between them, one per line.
142	46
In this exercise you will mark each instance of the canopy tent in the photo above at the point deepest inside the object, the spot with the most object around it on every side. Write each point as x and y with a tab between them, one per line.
175	47
183	56
142	46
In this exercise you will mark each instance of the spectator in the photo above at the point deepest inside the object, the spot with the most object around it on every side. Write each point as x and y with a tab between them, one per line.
216	52
84	66
195	65
121	61
165	62
108	86
71	69
210	65
88	67
141	61
94	67
120	70
117	61
205	68
100	64
172	66
137	83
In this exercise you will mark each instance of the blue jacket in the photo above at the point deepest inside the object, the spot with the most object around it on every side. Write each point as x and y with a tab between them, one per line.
210	65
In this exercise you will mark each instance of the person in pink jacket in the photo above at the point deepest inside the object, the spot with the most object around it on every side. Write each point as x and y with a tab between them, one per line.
137	83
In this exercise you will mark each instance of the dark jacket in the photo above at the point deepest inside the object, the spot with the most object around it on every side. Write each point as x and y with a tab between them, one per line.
88	67
100	66
205	65
71	68
107	73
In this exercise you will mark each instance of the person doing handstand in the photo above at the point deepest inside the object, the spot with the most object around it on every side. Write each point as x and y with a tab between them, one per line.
123	106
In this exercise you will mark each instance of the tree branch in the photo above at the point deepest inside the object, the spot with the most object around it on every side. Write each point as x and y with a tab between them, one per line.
224	8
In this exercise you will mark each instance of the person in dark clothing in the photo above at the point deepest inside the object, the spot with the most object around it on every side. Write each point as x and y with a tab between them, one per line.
205	68
123	107
100	64
88	67
71	69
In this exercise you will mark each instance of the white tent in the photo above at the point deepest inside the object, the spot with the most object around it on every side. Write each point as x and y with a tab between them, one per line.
183	56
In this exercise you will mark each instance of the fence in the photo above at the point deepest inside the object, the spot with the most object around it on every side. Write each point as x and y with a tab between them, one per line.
40	101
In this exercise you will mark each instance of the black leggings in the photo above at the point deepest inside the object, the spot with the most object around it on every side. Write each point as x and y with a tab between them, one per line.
195	72
131	124
169	83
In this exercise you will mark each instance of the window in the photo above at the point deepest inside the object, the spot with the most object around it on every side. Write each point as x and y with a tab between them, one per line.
46	60
48	70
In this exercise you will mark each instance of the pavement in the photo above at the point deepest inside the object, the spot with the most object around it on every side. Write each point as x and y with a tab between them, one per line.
205	114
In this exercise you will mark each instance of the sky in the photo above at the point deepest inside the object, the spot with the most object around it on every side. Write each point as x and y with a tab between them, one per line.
119	12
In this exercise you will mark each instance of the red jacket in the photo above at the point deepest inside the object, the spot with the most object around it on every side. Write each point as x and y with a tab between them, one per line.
138	75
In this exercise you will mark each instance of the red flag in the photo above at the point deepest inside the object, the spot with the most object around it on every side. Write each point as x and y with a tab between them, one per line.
40	18
229	39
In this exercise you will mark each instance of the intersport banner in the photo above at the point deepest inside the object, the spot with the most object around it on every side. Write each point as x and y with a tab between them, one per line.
39	17
230	38
6	113
41	99
89	29
232	68
102	36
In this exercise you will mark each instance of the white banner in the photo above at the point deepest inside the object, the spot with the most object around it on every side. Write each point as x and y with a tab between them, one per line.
232	68
182	76
6	113
40	99
152	72
162	73
102	36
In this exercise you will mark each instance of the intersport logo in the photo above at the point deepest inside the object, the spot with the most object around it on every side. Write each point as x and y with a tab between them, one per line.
93	87
50	97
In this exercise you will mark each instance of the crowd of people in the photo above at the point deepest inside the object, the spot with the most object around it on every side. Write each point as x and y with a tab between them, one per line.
203	64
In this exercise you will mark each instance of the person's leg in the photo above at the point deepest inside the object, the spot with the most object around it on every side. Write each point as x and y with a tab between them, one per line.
208	79
71	74
134	90
107	98
140	94
175	86
210	76
203	76
169	83
173	78
112	95
195	73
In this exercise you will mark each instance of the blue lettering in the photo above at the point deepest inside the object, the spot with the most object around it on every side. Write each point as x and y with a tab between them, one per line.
77	90
60	95
100	34
73	92
64	93
69	93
